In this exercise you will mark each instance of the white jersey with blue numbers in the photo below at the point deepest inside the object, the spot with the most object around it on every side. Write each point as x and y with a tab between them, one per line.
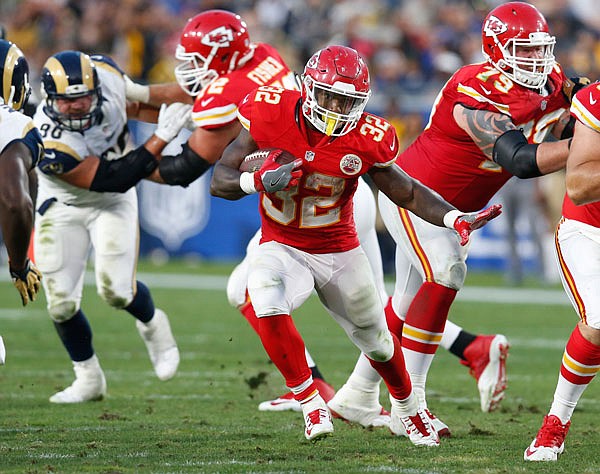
65	149
15	126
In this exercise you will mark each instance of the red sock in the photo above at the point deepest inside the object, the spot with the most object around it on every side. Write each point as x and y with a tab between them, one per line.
394	322
581	359
285	347
247	311
394	374
426	317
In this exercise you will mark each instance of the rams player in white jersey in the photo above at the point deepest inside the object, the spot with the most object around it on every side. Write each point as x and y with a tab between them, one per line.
86	200
20	150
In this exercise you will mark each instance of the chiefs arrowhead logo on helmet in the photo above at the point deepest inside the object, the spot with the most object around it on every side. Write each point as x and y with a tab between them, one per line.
220	37
494	26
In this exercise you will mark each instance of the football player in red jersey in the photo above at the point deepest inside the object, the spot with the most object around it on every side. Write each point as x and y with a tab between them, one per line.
578	251
309	239
219	66
487	124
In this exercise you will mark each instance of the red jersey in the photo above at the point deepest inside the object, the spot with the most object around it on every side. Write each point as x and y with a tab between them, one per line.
317	215
216	105
447	160
586	109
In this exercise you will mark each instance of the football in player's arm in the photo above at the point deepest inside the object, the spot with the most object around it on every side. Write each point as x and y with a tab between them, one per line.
306	213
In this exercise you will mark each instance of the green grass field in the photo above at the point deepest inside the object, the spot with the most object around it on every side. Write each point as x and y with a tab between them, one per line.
205	419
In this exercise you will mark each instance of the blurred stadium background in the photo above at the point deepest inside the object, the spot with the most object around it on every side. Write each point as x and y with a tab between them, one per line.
412	47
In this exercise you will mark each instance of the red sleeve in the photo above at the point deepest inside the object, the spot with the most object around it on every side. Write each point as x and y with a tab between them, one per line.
245	110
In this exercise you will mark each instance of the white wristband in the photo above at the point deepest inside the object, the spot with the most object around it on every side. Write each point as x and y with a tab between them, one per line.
247	182
136	92
451	216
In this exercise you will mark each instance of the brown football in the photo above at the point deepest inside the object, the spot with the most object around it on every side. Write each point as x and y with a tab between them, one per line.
254	160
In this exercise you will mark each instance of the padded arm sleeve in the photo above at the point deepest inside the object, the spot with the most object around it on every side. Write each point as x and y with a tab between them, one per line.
182	169
516	155
117	176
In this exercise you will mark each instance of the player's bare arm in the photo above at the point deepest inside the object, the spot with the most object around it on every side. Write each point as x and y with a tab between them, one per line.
499	140
583	166
483	126
156	94
202	150
225	182
408	193
168	94
144	112
16	203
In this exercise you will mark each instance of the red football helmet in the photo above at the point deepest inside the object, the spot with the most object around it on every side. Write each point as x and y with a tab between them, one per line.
506	30
212	43
335	89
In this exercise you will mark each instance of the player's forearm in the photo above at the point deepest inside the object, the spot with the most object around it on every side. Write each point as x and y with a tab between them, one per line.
225	183
16	218
168	94
552	156
428	205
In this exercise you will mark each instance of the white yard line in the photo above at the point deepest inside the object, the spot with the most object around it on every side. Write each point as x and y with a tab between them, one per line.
502	295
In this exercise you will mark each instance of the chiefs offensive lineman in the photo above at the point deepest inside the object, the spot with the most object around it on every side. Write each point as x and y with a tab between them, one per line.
487	124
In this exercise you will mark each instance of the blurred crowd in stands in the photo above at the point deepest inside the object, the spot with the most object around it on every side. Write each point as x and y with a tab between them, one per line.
412	46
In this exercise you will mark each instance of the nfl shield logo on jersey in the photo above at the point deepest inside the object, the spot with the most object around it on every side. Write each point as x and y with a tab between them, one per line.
309	155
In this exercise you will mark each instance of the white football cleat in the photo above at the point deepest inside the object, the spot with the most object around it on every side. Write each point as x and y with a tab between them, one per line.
287	402
438	425
486	359
549	443
161	344
355	406
89	384
407	419
2	352
317	419
418	428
